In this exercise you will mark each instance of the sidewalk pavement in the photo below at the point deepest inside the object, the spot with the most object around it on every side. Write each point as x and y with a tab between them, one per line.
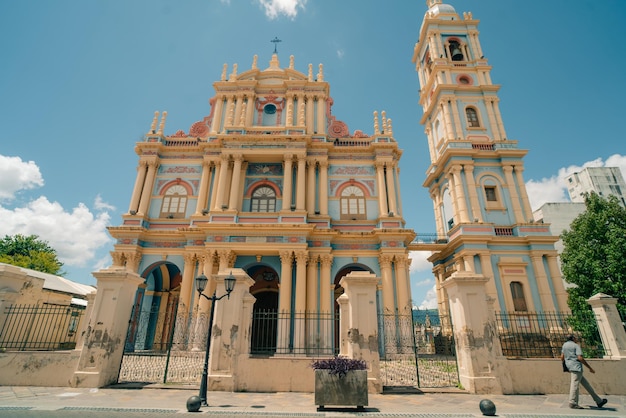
162	400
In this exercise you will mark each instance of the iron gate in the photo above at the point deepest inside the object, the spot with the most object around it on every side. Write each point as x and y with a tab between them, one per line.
417	351
164	347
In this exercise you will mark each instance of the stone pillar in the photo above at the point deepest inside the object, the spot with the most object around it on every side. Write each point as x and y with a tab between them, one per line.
471	191
234	185
187	286
391	189
82	331
459	193
326	284
139	182
301	184
323	193
203	191
519	170
609	324
300	293
403	285
217	115
389	300
221	184
284	300
359	323
228	333
312	284
287	182
382	194
479	355
101	356
310	187
515	200
146	193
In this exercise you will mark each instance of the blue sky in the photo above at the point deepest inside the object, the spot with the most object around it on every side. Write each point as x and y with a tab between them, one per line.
80	82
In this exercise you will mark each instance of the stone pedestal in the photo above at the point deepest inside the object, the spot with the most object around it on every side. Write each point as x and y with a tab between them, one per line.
106	330
610	325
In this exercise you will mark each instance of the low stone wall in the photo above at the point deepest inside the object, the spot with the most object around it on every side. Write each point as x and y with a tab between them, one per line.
544	376
38	368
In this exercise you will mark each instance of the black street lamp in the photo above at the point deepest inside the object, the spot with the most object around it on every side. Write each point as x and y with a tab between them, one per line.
201	282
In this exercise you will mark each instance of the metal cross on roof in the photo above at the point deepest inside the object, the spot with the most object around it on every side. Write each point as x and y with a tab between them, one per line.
275	41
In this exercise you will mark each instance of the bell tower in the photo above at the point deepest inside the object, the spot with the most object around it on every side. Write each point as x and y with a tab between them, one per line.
476	174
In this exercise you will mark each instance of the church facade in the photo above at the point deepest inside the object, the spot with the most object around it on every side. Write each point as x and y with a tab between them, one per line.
272	183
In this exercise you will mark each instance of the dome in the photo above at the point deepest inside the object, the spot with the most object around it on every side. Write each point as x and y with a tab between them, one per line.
442	9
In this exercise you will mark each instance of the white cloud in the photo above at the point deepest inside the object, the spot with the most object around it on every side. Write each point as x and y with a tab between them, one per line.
340	53
76	235
419	261
554	189
430	302
289	8
100	204
16	175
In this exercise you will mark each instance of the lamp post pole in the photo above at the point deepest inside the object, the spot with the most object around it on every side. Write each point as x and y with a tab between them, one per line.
201	282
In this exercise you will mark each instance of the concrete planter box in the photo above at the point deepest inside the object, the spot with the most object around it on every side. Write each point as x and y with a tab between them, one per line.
350	390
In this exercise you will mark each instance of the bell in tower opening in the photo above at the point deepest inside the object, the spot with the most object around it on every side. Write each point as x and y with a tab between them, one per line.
455	51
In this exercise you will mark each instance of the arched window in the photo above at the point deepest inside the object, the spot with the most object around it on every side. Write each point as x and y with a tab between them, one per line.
472	117
263	200
353	203
517	293
174	202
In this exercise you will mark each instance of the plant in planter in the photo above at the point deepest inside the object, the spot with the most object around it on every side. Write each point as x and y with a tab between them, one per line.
340	381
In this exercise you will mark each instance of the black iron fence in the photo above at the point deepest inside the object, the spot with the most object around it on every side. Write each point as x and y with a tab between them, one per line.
303	333
40	327
542	334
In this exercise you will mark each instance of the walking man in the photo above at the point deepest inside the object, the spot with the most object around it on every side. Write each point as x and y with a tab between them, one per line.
572	354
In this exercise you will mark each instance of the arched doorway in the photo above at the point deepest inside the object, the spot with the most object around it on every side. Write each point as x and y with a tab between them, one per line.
265	310
154	310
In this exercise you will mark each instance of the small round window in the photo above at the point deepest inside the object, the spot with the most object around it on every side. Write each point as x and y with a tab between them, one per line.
270	109
464	80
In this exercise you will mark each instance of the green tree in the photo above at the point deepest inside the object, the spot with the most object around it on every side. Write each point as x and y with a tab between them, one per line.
30	252
594	259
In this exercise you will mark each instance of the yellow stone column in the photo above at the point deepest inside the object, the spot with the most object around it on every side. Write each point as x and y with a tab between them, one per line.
216	180
493	122
321	115
460	193
448	126
323	165
557	284
496	110
310	187
382	193
217	115
301	182
523	193
389	300
235	191
473	195
139	184
391	189
187	286
517	209
545	295
326	285
221	185
457	118
310	115
403	285
453	199
286	259
203	189
287	180
146	193
301	296
437	204
312	296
